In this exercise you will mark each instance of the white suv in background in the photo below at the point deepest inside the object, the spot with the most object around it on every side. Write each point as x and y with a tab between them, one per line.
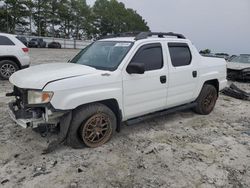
13	55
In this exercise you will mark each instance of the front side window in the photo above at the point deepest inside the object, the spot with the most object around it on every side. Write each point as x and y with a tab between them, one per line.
103	55
5	41
180	54
150	55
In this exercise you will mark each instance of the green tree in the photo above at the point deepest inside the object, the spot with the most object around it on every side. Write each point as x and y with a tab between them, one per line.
135	22
30	8
3	18
112	17
206	51
65	16
40	16
80	11
13	13
69	18
53	16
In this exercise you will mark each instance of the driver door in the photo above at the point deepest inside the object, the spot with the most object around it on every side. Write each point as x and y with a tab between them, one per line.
145	93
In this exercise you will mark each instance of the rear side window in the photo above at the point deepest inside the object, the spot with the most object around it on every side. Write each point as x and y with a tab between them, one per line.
180	54
5	41
150	55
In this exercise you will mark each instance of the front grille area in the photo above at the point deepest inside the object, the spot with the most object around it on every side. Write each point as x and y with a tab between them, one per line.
20	106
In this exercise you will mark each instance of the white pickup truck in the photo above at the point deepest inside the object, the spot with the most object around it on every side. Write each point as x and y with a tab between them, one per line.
115	80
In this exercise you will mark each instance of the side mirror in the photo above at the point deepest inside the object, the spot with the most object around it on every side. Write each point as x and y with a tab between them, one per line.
136	68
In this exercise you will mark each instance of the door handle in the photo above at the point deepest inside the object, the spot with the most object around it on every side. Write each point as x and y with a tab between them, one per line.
163	79
194	74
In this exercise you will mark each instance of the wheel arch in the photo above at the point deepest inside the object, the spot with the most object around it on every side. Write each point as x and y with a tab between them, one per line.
11	58
114	106
213	82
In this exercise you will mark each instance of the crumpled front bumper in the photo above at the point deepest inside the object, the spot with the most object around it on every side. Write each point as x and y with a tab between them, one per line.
21	118
30	118
22	122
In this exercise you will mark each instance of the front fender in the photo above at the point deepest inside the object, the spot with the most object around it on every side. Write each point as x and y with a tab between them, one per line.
66	100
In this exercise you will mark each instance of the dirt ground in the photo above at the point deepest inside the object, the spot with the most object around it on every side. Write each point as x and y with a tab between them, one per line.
178	150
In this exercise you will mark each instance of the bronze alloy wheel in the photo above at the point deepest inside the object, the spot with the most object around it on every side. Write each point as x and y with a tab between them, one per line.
206	100
210	100
97	130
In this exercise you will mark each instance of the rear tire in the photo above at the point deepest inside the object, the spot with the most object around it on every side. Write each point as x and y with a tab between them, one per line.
92	126
206	100
7	68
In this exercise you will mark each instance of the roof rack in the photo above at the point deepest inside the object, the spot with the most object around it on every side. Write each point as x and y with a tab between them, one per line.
126	34
144	35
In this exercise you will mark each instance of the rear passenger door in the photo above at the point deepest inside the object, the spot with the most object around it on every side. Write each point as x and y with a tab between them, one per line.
145	93
182	74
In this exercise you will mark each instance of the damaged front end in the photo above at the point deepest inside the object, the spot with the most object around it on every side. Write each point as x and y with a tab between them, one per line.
31	115
239	75
38	115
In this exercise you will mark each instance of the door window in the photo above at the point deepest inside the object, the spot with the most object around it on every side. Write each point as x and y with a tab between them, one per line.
180	54
150	55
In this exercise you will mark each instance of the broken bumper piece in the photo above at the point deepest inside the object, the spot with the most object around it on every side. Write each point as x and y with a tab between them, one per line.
32	117
235	92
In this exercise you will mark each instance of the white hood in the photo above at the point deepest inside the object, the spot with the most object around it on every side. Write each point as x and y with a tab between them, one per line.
237	66
36	77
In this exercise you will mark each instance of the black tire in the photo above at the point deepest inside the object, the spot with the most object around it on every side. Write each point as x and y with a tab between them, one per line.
81	121
206	100
7	68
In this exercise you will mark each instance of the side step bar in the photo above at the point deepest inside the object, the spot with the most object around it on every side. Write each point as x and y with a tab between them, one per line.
160	113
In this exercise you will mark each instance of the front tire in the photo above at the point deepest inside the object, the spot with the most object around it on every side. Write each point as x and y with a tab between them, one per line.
206	100
92	126
7	68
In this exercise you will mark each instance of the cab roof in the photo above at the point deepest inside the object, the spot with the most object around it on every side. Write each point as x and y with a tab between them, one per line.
153	36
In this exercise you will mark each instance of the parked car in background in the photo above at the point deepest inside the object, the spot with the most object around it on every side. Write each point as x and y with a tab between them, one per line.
23	40
37	43
13	55
238	68
54	45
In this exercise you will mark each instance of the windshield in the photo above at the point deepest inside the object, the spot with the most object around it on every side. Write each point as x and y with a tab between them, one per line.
103	55
241	59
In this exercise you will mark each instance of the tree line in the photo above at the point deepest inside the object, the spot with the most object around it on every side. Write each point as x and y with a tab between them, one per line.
68	18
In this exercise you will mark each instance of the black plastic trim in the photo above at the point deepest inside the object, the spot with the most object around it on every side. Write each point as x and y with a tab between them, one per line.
144	35
160	113
25	66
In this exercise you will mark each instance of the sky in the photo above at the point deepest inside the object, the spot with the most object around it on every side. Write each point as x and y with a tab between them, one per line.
220	25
